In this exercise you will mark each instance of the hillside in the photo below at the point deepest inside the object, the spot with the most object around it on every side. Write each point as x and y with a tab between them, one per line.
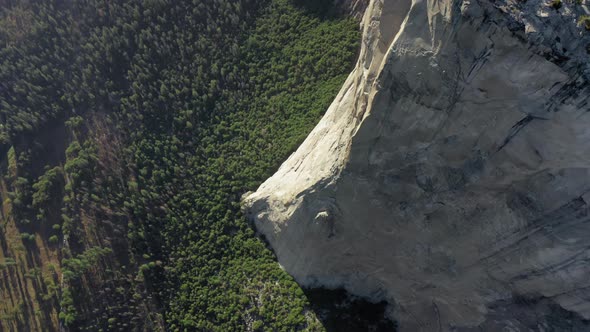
128	132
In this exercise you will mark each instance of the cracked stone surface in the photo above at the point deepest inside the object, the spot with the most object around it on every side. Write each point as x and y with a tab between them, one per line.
451	175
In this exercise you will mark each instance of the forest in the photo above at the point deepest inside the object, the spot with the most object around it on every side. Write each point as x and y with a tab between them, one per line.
128	132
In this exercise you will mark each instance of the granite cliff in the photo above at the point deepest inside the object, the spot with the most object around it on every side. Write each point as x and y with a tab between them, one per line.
451	175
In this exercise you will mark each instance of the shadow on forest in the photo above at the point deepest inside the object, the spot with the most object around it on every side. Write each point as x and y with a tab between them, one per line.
324	9
340	311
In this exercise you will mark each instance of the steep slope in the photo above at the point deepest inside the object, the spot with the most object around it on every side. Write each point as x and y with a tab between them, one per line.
450	176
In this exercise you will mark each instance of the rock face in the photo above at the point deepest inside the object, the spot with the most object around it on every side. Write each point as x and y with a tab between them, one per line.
451	175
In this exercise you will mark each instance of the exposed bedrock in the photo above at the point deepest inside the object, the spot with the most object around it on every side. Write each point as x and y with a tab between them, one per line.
451	175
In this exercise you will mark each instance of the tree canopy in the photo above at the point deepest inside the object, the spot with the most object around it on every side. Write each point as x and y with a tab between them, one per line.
130	130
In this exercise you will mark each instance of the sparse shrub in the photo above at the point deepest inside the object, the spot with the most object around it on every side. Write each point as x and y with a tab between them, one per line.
584	21
9	261
27	237
53	239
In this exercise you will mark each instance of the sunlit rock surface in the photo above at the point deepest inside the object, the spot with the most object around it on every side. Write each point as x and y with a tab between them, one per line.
451	175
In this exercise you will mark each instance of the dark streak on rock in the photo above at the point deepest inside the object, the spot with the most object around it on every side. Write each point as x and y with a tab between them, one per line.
516	129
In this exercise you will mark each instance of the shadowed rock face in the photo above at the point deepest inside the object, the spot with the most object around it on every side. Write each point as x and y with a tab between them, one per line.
451	175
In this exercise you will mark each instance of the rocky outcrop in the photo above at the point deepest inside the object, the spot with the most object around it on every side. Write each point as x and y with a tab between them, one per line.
451	175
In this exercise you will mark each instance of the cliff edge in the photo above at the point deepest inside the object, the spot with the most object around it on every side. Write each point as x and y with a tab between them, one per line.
451	175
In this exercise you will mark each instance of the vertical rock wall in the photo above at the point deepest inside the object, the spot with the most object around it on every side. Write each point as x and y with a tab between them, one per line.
451	175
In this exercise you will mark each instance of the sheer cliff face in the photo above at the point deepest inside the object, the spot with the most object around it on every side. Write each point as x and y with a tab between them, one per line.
451	175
